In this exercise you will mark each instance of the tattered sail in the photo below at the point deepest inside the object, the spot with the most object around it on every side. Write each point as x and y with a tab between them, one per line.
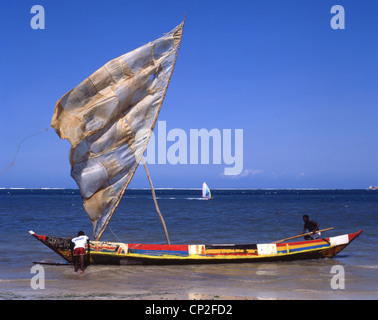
109	119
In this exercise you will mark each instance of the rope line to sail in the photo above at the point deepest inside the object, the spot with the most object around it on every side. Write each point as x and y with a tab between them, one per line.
18	149
114	234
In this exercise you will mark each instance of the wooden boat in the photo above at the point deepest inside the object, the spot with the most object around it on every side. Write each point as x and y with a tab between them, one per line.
100	252
109	119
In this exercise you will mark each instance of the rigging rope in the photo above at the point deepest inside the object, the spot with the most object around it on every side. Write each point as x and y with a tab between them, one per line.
115	234
18	148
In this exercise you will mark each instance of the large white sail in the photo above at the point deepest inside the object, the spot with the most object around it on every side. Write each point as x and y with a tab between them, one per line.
109	118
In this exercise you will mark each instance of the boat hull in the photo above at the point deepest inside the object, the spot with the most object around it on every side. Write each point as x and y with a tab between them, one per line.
115	253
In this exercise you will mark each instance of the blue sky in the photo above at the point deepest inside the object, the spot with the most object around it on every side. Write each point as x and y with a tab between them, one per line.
304	94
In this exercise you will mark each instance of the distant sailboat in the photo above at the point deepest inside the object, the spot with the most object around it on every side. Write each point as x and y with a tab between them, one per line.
206	194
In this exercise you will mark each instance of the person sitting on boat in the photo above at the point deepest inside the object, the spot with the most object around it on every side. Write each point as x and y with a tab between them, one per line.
311	226
79	250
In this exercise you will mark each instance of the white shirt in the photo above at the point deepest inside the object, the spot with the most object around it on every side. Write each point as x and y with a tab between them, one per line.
80	242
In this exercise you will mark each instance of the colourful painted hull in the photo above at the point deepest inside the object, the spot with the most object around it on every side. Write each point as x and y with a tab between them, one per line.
100	252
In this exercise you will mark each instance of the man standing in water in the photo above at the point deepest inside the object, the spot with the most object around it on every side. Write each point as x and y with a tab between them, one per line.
79	250
311	226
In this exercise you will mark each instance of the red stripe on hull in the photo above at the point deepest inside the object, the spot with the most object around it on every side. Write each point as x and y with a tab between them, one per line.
159	247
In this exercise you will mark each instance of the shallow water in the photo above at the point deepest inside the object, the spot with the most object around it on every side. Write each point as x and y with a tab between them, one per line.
233	216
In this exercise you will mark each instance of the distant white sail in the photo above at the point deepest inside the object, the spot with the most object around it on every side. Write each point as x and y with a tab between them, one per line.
206	191
109	119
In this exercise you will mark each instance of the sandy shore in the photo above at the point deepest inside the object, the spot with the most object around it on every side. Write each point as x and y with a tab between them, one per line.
20	290
218	282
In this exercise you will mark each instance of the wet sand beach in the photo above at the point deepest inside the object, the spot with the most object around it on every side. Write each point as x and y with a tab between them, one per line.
286	280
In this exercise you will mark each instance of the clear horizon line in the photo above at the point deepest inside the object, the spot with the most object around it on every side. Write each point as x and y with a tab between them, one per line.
183	188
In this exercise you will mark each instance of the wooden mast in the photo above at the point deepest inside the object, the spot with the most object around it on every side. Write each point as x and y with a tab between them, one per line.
155	201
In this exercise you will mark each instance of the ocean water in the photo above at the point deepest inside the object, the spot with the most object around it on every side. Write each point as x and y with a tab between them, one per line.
232	216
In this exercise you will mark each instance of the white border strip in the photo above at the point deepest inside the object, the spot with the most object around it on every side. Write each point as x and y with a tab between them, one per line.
266	249
339	240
